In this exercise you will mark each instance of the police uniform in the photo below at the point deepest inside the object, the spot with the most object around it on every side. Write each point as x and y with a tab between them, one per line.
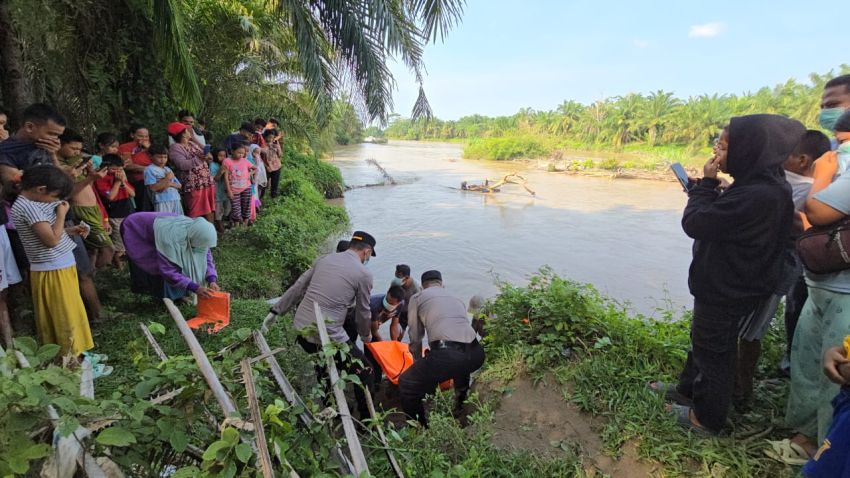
454	349
335	282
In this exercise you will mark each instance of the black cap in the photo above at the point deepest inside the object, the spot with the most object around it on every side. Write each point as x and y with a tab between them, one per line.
403	269
431	275
365	237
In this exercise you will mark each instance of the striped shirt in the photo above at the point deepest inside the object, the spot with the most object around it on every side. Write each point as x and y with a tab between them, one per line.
25	214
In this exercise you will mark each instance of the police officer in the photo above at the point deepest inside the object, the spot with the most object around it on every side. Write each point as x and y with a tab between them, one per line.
335	282
402	278
454	349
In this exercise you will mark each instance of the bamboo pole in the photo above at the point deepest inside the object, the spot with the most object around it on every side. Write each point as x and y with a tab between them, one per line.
357	456
202	361
259	433
293	398
156	348
374	415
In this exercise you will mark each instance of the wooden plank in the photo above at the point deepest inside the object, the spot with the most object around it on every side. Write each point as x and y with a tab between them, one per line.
267	355
294	399
374	415
265	459
202	361
152	341
354	447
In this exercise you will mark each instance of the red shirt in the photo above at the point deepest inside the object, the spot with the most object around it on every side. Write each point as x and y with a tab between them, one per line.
137	156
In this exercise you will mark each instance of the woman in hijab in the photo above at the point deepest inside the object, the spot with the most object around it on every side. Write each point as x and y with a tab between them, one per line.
170	255
740	240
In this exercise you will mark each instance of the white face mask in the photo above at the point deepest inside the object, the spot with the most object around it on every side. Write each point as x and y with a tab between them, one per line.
366	261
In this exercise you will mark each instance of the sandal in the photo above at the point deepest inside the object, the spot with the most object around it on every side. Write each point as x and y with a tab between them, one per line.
787	452
670	392
682	414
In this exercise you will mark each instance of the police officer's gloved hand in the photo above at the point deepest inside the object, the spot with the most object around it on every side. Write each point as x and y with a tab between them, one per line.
269	321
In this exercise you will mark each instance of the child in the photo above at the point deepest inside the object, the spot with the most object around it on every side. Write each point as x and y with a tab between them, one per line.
117	195
39	216
799	169
258	179
161	181
238	173
222	202
842	135
106	143
737	258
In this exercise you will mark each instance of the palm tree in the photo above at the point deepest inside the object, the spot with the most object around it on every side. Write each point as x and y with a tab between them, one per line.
656	111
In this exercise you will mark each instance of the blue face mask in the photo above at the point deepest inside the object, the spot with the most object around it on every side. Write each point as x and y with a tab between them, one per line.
387	306
397	281
829	116
366	261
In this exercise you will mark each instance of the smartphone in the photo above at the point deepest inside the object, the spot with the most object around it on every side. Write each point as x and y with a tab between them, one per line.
681	175
86	159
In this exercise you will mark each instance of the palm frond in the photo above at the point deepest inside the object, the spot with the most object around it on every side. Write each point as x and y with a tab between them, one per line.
422	108
437	16
168	37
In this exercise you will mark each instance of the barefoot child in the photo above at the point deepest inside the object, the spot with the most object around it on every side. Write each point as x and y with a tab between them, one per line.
39	216
237	179
160	179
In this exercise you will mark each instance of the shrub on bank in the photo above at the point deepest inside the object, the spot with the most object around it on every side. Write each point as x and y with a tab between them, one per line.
507	148
325	177
603	359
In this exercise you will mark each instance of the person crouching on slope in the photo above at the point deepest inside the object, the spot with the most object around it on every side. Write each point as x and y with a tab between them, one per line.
739	241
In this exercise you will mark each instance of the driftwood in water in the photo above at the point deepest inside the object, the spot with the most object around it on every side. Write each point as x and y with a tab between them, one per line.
357	456
384	173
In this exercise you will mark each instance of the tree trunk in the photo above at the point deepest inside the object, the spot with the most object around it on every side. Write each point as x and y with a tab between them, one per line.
15	90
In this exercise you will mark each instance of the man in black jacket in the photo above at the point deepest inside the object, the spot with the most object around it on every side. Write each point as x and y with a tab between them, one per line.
739	237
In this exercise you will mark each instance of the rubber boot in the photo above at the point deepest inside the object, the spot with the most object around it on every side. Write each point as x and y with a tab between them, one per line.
748	357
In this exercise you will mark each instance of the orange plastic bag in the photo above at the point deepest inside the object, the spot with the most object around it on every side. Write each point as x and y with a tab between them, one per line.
394	358
213	311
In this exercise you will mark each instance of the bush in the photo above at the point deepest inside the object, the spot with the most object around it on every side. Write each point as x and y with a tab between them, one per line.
325	177
507	148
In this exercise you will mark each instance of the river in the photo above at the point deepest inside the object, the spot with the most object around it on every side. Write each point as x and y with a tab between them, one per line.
623	236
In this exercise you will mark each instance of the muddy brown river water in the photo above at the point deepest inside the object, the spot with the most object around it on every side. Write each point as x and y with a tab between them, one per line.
621	235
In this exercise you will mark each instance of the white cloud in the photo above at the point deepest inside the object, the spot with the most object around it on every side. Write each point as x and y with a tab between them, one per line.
706	30
638	43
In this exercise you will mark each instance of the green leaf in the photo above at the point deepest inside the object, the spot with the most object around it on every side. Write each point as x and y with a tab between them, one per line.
214	448
67	425
27	345
116	436
35	451
156	328
188	472
179	441
47	352
244	452
65	404
243	333
230	436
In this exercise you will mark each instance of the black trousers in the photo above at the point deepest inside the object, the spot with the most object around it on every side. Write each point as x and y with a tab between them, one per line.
794	302
438	366
363	370
709	375
143	201
274	182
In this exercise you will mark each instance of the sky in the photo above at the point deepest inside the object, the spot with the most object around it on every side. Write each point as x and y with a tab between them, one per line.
507	55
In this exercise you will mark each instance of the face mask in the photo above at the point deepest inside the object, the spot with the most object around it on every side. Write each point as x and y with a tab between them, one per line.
387	306
366	261
829	116
397	281
843	158
844	148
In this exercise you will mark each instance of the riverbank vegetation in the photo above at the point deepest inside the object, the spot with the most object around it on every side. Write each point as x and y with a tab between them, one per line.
642	130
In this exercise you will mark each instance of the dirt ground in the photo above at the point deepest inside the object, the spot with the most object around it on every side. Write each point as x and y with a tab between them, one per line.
539	420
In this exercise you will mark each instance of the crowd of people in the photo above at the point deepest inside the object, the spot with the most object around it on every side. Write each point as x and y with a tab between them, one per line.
156	207
787	183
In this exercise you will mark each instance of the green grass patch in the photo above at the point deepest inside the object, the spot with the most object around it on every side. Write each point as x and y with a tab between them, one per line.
604	359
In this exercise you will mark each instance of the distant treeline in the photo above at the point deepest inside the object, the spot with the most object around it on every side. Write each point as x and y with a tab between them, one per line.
656	119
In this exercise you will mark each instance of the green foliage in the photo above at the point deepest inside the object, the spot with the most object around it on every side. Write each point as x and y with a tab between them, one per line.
657	124
604	359
505	148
